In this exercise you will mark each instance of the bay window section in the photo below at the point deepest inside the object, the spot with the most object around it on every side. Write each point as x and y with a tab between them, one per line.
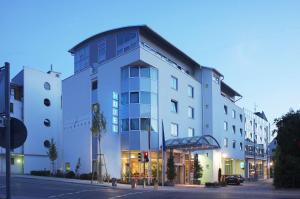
134	124
134	97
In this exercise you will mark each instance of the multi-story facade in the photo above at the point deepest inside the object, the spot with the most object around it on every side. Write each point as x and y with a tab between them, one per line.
257	130
139	80
36	100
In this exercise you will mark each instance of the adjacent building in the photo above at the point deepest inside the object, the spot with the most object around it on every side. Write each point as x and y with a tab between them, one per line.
35	99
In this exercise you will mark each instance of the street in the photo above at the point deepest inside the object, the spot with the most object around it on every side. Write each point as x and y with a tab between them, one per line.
25	188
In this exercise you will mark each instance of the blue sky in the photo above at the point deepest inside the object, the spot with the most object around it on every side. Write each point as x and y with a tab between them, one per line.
254	44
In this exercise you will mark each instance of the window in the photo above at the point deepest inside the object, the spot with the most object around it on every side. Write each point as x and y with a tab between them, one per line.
134	71
145	124
174	105
226	126
47	122
241	146
225	142
145	71
225	110
190	112
174	129
134	97
233	129
174	83
47	102
47	86
191	132
134	124
126	41
101	51
145	97
241	117
233	114
94	85
11	107
124	98
125	124
233	143
190	91
241	132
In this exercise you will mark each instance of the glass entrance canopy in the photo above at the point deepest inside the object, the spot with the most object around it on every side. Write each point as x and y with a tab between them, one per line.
196	143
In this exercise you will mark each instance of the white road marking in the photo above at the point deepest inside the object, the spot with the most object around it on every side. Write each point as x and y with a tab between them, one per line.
132	193
70	193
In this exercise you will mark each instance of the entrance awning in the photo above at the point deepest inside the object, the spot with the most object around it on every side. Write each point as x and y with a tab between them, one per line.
204	142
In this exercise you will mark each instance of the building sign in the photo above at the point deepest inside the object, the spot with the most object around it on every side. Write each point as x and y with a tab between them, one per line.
115	112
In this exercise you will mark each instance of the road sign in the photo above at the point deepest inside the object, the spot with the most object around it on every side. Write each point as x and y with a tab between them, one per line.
2	89
18	134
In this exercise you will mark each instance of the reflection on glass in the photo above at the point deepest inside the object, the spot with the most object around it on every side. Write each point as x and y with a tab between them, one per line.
145	124
145	97
124	98
134	124
134	71
145	71
125	124
134	97
154	125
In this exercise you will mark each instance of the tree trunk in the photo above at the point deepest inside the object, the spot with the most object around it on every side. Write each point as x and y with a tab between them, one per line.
99	166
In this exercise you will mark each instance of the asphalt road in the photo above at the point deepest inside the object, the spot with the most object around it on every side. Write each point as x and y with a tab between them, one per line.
24	188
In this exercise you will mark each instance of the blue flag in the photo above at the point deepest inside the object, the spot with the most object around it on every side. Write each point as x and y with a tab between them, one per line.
163	137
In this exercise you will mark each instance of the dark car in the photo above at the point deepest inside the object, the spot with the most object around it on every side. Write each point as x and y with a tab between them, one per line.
232	180
241	178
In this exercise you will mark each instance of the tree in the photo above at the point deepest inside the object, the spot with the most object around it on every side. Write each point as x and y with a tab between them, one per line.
287	155
171	167
198	170
52	153
98	127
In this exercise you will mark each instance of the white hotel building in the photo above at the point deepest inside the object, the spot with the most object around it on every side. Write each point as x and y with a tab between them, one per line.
139	80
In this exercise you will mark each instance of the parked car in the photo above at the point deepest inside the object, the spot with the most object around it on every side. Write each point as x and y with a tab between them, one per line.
241	178
232	179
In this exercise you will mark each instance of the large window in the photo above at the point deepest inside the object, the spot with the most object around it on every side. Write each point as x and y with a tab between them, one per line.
125	124
126	41
134	124
145	124
190	91
190	112
134	71
134	97
174	129
174	106
101	51
174	83
191	132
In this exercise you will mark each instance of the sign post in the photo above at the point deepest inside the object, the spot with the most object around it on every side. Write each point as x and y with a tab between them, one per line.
5	114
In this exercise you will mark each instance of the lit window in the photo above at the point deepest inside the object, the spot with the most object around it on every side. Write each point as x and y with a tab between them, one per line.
174	129
225	110
233	114
47	86
233	143
190	91
134	71
174	106
191	132
226	126
134	97
174	83
225	142
190	112
134	124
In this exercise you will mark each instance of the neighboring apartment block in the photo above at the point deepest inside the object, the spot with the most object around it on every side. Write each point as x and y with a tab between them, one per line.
35	99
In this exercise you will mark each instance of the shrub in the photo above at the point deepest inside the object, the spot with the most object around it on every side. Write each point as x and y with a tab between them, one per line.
59	174
70	174
88	176
40	173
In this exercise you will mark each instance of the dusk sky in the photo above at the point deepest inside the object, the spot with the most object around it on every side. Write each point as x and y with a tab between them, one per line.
254	44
